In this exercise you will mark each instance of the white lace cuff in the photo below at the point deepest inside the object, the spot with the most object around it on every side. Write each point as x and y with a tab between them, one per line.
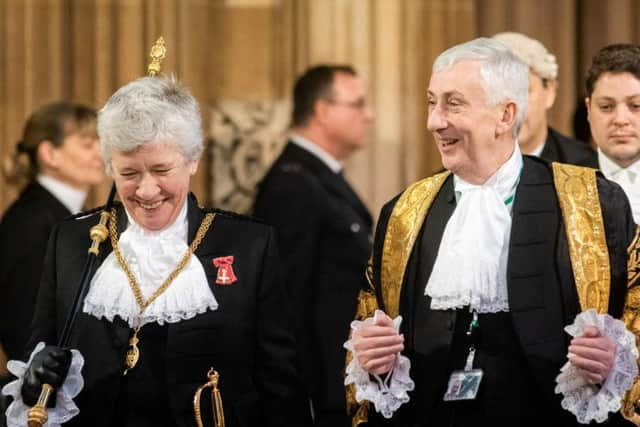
589	401
387	394
65	408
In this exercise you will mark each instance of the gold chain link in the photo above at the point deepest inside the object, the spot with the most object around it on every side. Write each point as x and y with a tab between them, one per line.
137	292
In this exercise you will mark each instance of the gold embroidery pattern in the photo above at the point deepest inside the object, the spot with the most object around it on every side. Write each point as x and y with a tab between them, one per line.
403	228
404	225
631	318
367	305
578	196
634	260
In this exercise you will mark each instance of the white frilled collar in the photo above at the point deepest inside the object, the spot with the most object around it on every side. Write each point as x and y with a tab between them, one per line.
471	265
151	257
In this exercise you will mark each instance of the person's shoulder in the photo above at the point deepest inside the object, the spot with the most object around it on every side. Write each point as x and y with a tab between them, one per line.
35	207
611	195
424	187
232	216
83	220
243	223
296	177
241	229
294	165
574	151
607	186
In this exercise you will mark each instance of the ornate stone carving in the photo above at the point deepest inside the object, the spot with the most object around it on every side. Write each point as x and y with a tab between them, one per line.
246	137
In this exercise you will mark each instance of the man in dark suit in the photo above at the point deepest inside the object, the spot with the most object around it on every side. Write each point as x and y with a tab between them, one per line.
483	266
324	229
536	137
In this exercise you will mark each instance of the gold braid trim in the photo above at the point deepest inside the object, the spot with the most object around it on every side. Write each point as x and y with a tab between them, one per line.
578	196
367	305
404	225
135	288
631	318
633	265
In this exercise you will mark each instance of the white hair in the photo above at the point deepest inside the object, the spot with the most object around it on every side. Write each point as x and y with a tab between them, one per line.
503	76
148	110
532	52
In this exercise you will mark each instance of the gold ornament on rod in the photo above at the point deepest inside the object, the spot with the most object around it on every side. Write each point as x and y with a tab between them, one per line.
158	52
37	415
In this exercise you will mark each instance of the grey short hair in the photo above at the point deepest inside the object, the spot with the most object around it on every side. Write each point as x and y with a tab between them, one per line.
503	76
150	109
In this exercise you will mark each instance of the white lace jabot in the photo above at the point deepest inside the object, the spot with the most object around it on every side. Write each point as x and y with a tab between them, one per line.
471	265
151	257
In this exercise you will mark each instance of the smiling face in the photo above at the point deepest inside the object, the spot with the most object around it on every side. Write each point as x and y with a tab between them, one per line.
474	139
614	116
152	182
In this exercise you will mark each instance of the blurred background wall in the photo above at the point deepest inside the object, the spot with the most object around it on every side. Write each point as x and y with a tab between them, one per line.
247	53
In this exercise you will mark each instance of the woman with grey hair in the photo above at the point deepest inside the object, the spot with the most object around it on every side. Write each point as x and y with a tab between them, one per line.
179	290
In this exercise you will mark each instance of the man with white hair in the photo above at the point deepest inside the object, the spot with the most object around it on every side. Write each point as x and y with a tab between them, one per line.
481	284
536	137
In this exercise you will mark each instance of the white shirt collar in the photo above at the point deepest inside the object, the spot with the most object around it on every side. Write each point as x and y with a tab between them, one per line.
611	169
538	151
504	180
317	151
72	198
628	178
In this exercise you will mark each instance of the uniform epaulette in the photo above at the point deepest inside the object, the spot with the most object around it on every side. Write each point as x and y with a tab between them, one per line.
232	214
84	214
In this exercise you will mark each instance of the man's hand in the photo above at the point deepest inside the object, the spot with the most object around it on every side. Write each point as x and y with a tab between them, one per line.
49	366
376	345
593	354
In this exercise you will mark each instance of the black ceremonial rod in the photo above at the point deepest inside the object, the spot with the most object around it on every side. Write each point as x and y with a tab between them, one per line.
98	234
37	415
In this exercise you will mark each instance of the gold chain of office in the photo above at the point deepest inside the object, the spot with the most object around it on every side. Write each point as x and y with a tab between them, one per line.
133	353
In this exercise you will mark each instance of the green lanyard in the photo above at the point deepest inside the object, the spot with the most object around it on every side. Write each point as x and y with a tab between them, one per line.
473	326
509	199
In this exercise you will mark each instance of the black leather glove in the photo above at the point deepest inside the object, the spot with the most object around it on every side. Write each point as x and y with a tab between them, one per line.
49	366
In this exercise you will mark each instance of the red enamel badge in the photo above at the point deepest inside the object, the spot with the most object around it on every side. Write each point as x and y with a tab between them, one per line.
225	275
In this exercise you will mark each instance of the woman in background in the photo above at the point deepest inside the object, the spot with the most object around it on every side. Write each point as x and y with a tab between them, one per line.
59	160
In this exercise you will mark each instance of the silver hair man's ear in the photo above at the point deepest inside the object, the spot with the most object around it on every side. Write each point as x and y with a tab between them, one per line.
531	52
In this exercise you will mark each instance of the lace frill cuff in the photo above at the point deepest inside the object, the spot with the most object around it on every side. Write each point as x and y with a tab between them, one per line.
594	402
387	394
65	408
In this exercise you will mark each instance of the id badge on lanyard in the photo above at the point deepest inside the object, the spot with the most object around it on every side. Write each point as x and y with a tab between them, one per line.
464	384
